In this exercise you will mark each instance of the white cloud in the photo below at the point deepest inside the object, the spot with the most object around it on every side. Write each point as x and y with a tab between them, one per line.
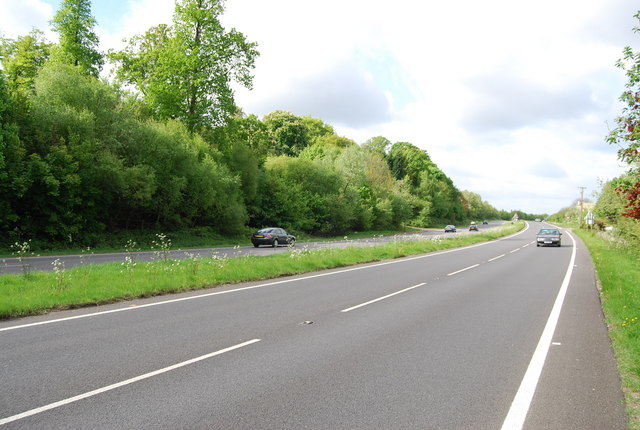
18	18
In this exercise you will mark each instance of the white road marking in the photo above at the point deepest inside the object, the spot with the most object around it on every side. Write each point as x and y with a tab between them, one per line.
382	298
520	405
515	250
495	258
200	296
120	384
462	270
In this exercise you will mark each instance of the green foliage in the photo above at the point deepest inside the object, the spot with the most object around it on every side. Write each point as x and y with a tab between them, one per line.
478	209
407	162
611	208
10	158
288	133
610	204
185	71
22	59
436	199
78	43
335	140
316	128
301	194
377	144
89	165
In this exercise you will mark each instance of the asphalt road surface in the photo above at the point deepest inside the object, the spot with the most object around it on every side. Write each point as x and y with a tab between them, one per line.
13	265
497	335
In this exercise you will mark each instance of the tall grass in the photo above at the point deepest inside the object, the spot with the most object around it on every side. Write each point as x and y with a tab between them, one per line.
619	275
96	284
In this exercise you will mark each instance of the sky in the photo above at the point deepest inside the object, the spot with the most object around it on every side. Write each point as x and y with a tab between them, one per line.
512	100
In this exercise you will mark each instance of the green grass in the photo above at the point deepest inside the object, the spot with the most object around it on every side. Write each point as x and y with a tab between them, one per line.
40	292
619	275
192	238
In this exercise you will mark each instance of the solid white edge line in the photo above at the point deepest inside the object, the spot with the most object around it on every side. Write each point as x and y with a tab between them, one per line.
383	297
462	270
121	384
495	258
200	296
522	401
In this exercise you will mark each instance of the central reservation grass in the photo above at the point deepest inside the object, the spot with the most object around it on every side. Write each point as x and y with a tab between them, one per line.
40	292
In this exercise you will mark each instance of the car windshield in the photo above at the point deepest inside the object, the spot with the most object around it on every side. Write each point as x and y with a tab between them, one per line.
265	230
549	231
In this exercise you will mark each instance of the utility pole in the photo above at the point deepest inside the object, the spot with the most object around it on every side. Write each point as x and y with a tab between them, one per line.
581	203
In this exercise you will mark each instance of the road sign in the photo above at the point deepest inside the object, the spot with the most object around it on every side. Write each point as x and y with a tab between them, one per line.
590	218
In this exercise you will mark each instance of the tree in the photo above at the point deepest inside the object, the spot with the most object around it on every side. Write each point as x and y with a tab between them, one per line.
185	71
610	204
377	144
10	160
627	132
316	128
289	133
22	59
335	140
78	43
407	162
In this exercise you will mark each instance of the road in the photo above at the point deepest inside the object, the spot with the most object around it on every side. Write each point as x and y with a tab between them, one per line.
12	265
496	335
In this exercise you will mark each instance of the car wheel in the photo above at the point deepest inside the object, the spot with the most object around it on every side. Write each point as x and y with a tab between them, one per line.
255	245
275	243
292	242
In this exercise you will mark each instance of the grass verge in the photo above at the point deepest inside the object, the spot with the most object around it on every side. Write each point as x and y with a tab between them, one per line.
40	292
619	276
143	240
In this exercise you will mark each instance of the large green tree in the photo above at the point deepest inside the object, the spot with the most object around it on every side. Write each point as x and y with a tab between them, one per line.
407	162
289	133
78	42
185	71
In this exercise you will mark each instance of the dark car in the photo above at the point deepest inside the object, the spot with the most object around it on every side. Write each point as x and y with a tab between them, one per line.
272	236
549	237
485	222
473	227
450	229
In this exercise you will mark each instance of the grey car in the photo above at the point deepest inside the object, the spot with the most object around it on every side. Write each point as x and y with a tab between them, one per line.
272	236
549	237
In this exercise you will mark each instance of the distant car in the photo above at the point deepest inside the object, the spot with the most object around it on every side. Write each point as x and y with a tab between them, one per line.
538	220
473	227
450	229
272	236
549	237
485	222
